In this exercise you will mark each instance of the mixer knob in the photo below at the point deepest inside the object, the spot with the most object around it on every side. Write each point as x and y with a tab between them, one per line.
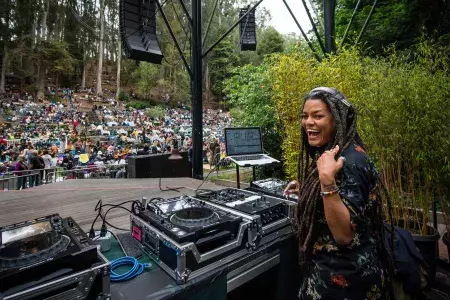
70	223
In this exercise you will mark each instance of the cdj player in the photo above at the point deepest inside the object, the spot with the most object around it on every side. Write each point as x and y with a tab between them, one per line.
273	215
272	187
36	252
270	209
189	237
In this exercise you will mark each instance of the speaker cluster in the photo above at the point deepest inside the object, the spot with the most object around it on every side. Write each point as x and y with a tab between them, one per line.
138	30
247	30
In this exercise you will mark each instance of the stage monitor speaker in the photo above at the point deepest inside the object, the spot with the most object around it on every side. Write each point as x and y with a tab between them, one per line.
247	30
138	30
158	165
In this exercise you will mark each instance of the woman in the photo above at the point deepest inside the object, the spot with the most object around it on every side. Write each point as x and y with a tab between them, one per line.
339	215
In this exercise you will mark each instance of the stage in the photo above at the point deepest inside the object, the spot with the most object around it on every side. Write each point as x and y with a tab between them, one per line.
77	199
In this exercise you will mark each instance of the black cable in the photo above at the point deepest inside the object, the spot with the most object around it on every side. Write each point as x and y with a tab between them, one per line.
112	206
212	170
175	189
98	207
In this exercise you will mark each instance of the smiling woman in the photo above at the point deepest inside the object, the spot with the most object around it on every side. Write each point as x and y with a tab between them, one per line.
339	220
318	122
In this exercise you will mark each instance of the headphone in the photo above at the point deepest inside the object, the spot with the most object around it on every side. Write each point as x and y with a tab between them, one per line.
333	92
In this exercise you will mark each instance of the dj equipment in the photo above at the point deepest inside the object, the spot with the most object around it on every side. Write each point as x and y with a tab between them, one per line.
272	213
272	187
138	30
190	237
247	30
50	257
245	148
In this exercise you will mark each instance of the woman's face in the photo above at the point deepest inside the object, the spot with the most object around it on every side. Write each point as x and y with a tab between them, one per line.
318	122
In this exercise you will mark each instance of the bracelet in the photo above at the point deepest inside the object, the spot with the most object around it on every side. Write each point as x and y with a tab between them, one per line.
329	193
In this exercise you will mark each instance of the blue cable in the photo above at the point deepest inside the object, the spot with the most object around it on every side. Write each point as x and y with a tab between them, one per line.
136	270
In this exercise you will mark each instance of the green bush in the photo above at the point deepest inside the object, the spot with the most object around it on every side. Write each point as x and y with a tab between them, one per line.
139	104
156	112
404	115
123	96
249	94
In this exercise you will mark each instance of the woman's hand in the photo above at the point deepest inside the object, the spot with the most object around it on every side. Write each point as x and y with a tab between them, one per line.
291	188
328	167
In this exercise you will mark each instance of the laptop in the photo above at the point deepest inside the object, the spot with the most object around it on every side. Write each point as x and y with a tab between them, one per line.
244	147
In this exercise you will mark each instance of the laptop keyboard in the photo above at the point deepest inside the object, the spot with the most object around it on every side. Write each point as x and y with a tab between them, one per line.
248	157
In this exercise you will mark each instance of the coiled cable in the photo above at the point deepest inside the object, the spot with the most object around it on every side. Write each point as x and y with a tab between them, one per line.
136	270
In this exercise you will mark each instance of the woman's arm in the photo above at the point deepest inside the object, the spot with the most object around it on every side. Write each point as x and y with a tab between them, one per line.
336	213
337	216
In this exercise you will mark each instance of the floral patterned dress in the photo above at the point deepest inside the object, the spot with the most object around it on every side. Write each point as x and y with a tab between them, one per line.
352	271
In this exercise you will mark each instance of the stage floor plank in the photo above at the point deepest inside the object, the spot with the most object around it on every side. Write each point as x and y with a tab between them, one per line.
77	199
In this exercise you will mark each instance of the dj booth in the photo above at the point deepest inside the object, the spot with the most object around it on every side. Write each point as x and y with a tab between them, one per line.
268	273
216	244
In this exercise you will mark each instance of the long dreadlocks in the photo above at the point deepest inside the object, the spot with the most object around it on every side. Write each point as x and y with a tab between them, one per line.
345	135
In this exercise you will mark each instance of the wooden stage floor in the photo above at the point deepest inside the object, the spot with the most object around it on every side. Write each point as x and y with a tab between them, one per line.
77	199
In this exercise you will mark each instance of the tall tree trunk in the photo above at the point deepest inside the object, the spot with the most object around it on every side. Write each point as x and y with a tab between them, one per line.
100	50
119	58
44	19
83	77
41	81
3	76
207	83
84	43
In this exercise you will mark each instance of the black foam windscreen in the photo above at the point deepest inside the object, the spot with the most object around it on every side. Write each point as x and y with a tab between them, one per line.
247	30
138	30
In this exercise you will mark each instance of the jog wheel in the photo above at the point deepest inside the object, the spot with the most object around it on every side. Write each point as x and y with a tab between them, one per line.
194	217
32	249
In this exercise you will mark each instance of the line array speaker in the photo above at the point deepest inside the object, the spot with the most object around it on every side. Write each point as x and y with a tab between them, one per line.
138	30
247	30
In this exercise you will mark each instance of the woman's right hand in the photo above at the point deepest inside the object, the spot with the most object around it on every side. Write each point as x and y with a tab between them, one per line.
291	188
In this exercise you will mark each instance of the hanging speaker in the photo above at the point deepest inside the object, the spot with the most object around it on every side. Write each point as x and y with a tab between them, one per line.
247	30
138	30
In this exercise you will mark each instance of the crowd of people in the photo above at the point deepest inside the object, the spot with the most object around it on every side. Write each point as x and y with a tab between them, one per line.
75	133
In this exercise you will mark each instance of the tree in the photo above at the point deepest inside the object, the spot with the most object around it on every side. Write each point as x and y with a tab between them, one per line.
401	22
249	94
222	61
271	42
145	77
100	49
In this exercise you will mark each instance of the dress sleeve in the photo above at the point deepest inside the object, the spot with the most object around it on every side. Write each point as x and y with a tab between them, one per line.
356	183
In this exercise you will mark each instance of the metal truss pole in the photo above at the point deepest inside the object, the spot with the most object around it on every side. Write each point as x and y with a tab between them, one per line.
197	88
329	7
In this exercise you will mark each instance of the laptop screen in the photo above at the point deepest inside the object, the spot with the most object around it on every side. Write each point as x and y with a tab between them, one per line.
241	141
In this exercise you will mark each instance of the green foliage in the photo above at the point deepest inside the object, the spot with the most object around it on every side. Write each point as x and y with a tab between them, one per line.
404	116
156	112
145	76
394	21
249	93
271	42
221	63
123	96
138	104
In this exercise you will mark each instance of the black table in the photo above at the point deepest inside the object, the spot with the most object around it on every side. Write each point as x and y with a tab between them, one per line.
157	284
